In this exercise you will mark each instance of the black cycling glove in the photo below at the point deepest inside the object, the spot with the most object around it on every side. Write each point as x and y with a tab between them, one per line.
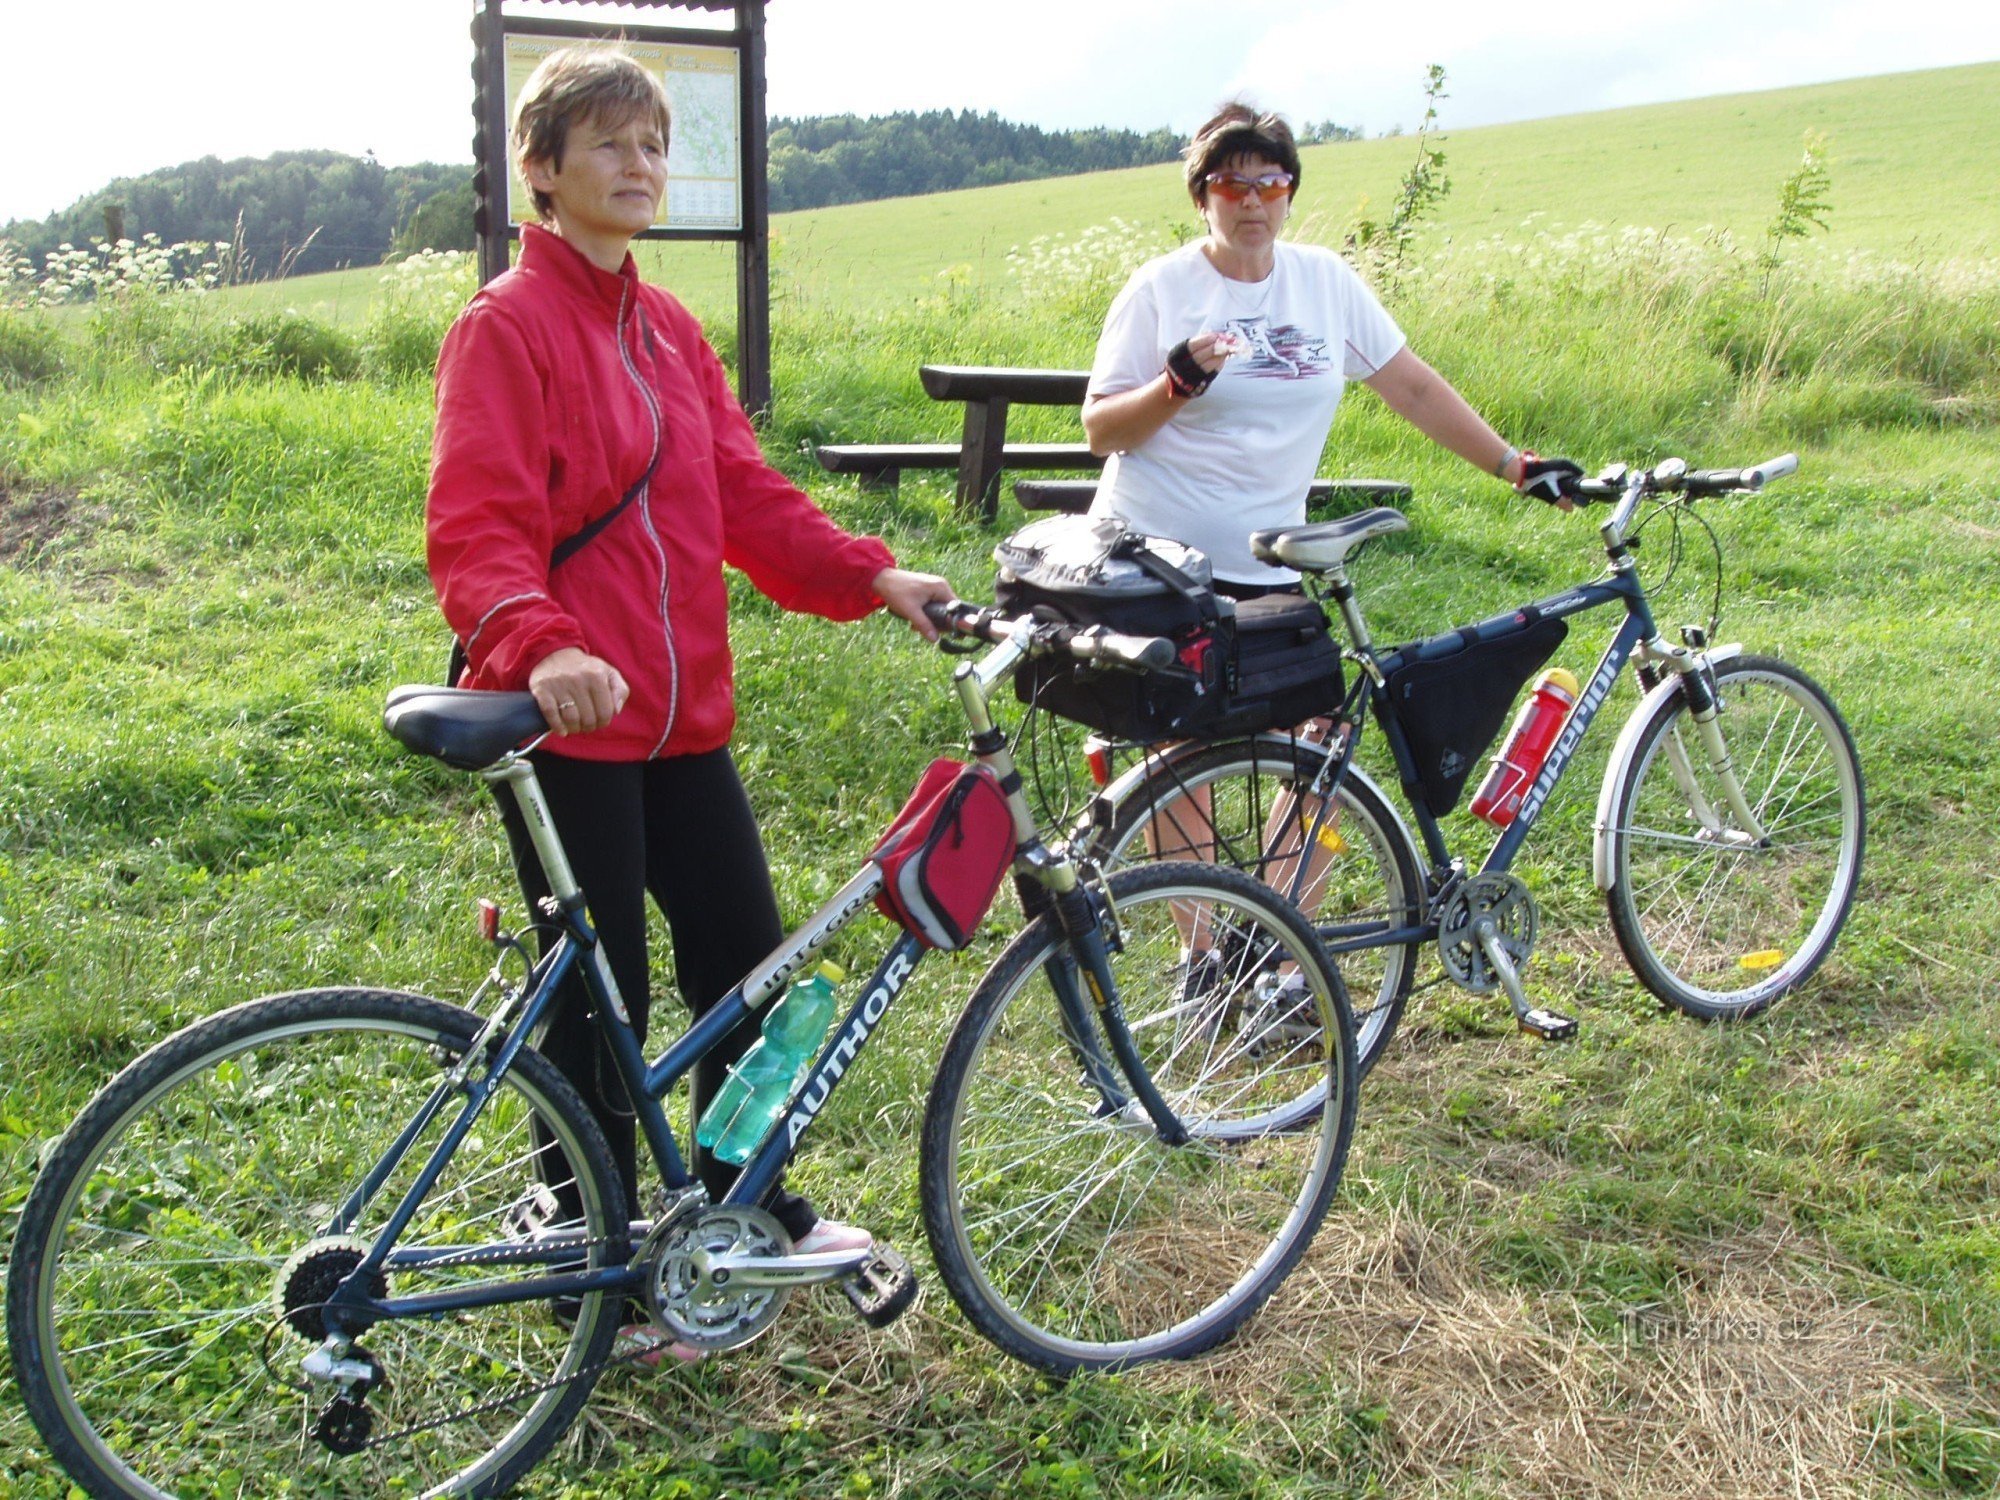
1184	372
1550	480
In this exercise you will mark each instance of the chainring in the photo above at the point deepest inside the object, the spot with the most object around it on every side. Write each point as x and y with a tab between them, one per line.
1510	905
698	1312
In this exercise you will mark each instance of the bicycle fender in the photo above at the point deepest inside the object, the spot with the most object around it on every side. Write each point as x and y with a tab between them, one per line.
1624	750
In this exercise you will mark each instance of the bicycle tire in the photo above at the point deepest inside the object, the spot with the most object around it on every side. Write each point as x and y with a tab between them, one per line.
1373	875
1075	1239
1719	930
158	1252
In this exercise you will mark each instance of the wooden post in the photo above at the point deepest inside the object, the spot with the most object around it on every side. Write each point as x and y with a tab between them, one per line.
979	457
489	140
753	251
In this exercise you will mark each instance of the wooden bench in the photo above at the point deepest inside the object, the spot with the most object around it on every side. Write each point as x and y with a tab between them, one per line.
987	392
983	450
880	465
1073	496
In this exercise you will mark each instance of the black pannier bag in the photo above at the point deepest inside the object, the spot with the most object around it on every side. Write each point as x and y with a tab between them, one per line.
1093	570
1285	668
1452	693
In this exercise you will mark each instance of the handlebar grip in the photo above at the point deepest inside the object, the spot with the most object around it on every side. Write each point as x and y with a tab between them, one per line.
1134	653
1770	469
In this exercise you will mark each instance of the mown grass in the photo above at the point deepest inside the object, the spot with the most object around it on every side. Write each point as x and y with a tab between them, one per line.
1667	1259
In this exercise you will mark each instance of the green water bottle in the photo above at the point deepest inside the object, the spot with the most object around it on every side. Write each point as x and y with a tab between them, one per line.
760	1085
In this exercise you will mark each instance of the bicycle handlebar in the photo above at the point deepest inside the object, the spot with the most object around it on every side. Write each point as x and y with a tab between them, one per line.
1674	477
1093	643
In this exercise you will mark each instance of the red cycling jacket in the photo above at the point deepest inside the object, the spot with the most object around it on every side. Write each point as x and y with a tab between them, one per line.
552	389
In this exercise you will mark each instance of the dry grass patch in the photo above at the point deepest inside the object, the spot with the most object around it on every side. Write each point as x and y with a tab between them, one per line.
1767	1378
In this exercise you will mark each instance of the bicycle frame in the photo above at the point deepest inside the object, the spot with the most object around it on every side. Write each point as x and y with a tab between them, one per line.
1636	628
1082	981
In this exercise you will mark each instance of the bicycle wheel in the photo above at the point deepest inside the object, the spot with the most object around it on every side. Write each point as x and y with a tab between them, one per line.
171	1259
1234	804
1072	1236
1713	922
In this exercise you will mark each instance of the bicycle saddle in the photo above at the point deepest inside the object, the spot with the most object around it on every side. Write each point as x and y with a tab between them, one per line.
1324	545
466	728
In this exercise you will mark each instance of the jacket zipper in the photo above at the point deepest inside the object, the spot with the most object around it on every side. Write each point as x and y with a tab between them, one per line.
647	395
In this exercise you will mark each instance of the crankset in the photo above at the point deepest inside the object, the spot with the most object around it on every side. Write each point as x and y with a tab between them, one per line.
1486	934
1505	903
703	1285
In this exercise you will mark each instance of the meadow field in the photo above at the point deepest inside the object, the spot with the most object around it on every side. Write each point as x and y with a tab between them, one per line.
1663	1260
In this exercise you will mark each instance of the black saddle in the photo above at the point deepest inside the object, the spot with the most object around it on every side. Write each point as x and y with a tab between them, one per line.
466	728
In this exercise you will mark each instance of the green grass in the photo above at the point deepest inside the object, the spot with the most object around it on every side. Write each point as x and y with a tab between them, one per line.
1728	1261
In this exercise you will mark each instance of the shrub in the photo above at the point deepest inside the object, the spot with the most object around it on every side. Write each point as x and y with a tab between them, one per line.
31	348
290	343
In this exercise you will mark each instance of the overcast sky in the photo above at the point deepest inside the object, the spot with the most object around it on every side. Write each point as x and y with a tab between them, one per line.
95	89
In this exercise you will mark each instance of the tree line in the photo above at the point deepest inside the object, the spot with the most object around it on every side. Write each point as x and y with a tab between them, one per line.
305	211
299	211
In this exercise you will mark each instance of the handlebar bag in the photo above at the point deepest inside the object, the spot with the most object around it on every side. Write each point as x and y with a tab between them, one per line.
1285	667
944	856
1451	692
1094	570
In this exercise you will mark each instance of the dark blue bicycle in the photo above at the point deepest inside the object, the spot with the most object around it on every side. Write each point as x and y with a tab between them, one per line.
315	1244
1730	820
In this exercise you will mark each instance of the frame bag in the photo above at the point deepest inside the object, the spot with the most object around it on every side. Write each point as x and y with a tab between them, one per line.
944	856
1451	695
1092	570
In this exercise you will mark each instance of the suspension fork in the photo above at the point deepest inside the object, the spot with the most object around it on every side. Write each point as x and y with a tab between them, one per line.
1705	708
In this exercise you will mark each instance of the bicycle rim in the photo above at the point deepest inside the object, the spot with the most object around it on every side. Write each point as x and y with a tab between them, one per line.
1233	804
169	1235
1714	923
1075	1238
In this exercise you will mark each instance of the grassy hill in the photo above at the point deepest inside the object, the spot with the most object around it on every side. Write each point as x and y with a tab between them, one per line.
1915	162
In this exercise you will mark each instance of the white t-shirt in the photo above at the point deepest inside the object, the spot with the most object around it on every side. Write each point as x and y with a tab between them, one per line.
1238	457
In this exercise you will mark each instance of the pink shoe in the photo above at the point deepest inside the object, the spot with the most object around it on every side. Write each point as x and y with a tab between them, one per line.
648	1347
831	1234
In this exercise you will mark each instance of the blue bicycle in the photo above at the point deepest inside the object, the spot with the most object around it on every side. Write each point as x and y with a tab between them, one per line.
317	1243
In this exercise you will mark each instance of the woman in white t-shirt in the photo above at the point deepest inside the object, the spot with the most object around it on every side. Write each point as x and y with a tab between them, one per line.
1221	365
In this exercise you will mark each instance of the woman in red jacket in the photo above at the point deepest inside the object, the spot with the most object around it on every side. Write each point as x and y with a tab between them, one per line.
591	475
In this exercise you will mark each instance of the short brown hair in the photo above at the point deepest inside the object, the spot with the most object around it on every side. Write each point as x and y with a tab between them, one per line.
574	85
1238	130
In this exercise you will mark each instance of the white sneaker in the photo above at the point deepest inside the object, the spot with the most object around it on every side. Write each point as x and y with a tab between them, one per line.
831	1234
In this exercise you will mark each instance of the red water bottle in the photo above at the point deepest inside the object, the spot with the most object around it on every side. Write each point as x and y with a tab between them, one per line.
1528	743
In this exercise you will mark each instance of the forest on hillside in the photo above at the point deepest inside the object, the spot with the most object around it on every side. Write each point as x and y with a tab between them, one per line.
306	211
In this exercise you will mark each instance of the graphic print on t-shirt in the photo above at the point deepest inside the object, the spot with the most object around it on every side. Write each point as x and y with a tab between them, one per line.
1286	352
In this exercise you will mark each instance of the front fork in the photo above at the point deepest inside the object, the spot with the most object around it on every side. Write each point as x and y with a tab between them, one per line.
1080	975
1705	710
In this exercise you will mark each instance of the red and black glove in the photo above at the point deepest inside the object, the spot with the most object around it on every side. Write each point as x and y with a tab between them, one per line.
1550	480
1185	374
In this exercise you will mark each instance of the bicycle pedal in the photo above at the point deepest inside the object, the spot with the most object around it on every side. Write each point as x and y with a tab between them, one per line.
883	1289
1547	1025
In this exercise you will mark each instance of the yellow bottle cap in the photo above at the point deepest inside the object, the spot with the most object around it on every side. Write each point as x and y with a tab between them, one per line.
1563	678
830	971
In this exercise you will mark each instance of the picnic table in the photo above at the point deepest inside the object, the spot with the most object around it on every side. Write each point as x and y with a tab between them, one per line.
982	450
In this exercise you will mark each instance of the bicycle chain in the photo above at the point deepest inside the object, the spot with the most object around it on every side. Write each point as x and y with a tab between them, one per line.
481	1255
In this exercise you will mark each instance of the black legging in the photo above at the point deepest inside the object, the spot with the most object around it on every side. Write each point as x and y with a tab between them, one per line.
682	829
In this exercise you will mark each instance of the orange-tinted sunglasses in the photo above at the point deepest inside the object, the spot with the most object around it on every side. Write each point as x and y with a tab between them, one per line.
1236	187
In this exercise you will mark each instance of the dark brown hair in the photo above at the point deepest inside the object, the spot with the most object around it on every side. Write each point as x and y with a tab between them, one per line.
577	84
1238	130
